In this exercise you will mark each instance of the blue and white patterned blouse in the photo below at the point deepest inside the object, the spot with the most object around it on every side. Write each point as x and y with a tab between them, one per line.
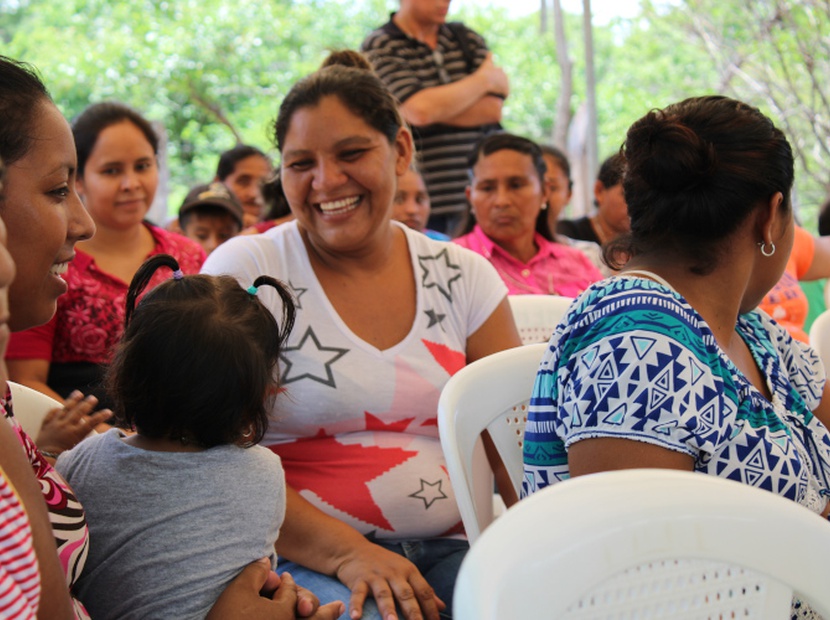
633	360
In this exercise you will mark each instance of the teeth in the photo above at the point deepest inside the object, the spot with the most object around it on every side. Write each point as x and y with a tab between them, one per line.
339	206
59	269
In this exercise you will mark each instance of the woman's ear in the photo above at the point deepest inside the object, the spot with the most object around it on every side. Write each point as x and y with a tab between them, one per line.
468	191
404	149
599	190
773	218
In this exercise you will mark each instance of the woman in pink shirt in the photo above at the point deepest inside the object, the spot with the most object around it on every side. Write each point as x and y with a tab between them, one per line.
508	197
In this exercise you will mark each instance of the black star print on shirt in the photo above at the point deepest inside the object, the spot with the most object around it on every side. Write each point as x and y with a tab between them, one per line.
435	319
298	292
429	492
310	360
432	271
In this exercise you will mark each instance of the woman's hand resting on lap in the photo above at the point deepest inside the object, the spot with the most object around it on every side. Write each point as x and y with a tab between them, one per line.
388	577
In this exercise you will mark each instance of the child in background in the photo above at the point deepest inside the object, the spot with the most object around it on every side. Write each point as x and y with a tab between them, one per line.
210	215
178	509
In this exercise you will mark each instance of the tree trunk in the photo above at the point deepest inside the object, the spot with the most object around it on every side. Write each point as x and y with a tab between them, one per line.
563	104
591	157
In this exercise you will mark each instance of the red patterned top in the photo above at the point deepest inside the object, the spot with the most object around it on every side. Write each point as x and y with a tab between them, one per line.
65	512
90	316
19	577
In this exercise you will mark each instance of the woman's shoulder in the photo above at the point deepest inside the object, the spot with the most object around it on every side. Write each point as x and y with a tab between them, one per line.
762	331
422	245
265	251
618	305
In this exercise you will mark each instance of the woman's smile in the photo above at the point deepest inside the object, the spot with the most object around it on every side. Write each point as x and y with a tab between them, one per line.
340	206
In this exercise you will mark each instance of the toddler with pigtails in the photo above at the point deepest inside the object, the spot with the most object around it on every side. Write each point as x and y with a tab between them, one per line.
178	509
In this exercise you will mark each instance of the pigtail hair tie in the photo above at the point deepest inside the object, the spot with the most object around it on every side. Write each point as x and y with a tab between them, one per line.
142	278
252	290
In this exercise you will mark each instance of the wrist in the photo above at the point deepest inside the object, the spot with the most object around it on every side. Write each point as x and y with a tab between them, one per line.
50	453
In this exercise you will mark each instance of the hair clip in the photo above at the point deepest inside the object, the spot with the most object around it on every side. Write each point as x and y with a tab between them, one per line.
178	275
252	290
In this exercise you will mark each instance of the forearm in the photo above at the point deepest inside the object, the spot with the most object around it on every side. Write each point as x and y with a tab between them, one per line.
439	104
312	538
485	111
820	266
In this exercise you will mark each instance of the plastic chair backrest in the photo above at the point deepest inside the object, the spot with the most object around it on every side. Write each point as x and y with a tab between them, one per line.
491	393
647	543
30	407
537	316
820	337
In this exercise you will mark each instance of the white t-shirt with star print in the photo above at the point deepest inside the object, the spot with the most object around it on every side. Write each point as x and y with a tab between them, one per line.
356	427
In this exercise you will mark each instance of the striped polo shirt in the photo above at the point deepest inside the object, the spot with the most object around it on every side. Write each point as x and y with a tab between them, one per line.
408	66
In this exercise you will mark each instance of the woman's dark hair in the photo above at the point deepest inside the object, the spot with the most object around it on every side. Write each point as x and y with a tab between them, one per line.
275	198
96	118
561	160
198	358
231	157
21	93
361	91
611	171
503	141
824	218
347	58
694	171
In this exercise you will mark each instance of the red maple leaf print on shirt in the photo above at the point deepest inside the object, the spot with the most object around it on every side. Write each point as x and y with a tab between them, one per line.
342	479
452	361
374	423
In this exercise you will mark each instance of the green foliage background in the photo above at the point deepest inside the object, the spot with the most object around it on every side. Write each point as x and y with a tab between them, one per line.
201	67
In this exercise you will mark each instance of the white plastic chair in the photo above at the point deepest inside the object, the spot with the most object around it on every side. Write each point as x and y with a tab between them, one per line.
30	407
820	337
537	316
491	393
647	543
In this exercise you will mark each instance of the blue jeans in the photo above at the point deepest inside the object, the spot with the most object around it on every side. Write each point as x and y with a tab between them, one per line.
437	559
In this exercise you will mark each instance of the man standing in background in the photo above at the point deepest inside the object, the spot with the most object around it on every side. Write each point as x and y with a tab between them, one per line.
451	93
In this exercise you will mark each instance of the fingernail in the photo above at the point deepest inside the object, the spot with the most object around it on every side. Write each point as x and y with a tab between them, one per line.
75	394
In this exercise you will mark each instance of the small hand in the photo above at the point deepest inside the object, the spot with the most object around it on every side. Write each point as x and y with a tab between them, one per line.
390	578
63	428
243	598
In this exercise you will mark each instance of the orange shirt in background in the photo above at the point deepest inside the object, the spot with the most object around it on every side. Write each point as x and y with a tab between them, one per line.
786	302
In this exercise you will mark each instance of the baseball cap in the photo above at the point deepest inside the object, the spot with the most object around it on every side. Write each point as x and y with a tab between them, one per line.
212	194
